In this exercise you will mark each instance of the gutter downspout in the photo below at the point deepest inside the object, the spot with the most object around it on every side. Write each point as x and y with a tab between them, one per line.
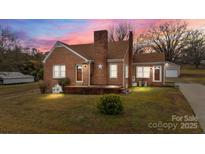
123	74
89	74
164	73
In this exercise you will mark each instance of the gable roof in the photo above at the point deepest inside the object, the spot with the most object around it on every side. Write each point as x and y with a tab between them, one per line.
85	50
148	57
61	44
13	75
116	50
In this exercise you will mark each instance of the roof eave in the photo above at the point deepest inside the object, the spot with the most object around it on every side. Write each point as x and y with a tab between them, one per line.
59	44
135	63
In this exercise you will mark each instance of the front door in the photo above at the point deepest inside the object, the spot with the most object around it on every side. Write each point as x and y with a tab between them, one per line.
79	73
157	74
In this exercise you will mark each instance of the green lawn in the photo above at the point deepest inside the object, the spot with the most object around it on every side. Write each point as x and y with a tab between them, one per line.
190	69
24	110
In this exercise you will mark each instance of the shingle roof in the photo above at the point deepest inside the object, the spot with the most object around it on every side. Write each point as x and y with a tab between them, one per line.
116	50
148	57
13	75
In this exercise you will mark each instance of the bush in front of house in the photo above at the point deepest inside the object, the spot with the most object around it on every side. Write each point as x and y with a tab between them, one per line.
42	86
110	104
64	82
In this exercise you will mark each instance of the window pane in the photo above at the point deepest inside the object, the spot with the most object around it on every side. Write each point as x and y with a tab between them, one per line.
139	72
113	74
79	66
62	74
63	68
62	71
146	72
55	71
143	72
56	67
113	67
56	74
113	71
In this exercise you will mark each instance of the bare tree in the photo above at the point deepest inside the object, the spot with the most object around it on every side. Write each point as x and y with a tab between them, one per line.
141	44
168	38
8	40
195	51
119	32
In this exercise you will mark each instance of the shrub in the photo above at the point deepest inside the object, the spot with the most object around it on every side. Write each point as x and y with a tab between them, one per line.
42	86
64	82
110	104
39	75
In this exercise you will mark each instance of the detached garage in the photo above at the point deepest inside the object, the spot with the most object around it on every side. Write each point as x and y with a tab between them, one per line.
172	70
14	78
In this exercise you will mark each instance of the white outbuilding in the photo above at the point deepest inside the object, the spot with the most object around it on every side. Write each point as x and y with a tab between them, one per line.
14	78
172	70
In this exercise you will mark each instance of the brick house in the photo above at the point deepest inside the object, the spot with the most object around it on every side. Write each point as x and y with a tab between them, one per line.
103	63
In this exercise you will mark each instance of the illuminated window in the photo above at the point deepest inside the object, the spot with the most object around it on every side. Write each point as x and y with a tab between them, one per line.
59	71
113	70
143	72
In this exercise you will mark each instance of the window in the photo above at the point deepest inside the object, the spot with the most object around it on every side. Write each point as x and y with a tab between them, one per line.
79	73
113	70
126	71
143	72
59	71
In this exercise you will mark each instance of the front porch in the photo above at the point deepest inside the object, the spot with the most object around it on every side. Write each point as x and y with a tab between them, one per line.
93	89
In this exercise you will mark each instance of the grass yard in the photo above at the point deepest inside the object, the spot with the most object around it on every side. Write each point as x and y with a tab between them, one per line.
24	110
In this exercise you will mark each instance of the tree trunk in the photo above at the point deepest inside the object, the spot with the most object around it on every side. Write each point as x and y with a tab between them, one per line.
196	66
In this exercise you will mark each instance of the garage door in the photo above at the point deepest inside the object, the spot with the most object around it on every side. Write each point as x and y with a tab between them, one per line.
171	73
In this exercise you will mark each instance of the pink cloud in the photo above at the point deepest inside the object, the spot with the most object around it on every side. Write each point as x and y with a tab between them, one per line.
85	33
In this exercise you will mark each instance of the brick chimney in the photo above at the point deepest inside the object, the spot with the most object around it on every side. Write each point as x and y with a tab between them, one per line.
101	52
130	58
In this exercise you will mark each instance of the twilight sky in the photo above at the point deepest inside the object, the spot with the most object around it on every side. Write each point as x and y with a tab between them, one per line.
42	34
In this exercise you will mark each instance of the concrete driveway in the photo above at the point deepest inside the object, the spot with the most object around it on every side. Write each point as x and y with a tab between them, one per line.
195	94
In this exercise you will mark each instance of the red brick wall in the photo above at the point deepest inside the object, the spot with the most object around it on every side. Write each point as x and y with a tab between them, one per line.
62	56
99	76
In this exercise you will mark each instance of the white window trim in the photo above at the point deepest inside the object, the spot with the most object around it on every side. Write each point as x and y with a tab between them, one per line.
110	71
160	73
59	77
143	72
126	71
76	73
